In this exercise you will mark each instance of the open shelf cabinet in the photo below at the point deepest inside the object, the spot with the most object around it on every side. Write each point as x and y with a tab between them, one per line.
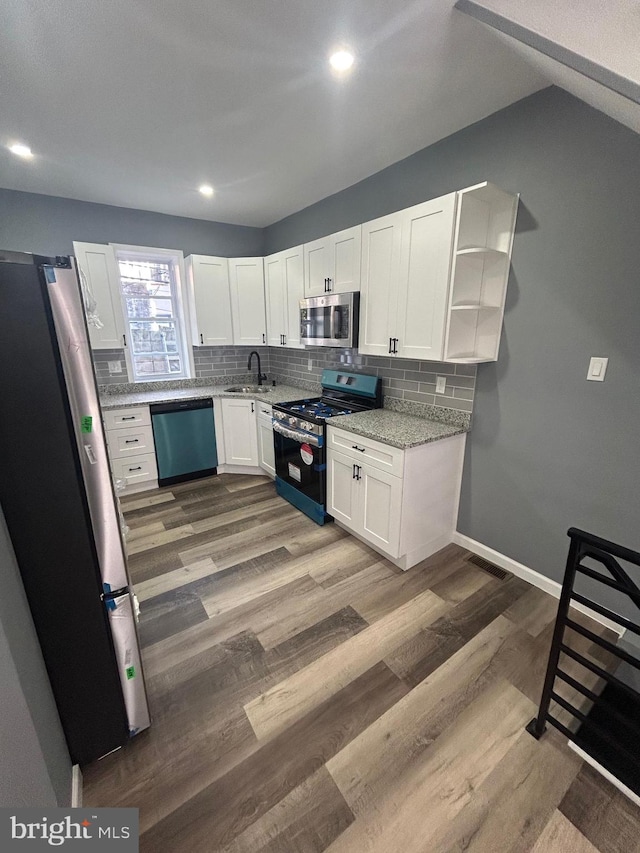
483	240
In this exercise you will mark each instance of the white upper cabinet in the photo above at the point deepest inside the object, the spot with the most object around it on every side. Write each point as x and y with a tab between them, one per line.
425	261
434	277
208	279
332	264
284	287
246	278
381	241
483	242
98	263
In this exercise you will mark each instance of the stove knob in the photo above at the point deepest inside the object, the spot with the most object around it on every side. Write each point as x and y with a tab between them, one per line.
292	421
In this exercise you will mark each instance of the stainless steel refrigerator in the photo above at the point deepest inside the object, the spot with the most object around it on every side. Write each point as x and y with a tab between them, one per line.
58	498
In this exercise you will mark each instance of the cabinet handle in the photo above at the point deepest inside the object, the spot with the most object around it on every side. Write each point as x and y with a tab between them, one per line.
139	468
354	471
390	347
358	477
329	280
131	440
395	341
252	408
201	338
284	340
128	418
124	340
264	340
355	447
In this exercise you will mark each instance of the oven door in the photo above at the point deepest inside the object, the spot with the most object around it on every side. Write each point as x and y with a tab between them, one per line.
330	321
300	461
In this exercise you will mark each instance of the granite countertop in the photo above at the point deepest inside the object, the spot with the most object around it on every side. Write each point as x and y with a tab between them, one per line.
279	394
389	426
396	428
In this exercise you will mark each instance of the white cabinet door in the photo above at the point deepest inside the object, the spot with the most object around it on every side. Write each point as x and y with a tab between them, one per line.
381	243
284	287
342	494
240	432
316	266
380	498
211	300
425	264
246	276
101	270
332	264
344	270
294	292
266	451
275	294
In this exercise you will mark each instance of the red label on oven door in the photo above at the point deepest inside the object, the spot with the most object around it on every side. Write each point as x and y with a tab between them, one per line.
306	453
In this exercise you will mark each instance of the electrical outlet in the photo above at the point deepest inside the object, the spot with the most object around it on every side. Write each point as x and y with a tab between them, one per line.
310	364
441	384
114	367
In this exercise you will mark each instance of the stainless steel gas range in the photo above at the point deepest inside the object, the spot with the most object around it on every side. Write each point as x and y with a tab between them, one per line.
299	430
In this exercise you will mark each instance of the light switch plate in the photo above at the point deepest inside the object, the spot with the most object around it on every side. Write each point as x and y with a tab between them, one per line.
310	364
597	368
441	384
114	367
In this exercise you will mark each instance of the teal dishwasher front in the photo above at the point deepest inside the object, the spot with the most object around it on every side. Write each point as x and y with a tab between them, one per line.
185	437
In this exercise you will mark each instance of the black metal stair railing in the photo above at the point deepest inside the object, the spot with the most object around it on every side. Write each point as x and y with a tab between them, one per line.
614	736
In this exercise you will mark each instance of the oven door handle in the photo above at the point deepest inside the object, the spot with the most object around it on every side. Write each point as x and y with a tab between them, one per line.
297	435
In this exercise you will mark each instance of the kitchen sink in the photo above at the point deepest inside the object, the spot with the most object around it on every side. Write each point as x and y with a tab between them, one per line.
248	389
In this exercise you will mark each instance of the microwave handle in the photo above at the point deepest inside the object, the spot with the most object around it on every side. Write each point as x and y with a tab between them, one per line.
333	326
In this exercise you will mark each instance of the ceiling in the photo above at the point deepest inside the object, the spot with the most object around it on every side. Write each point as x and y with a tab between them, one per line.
137	104
587	47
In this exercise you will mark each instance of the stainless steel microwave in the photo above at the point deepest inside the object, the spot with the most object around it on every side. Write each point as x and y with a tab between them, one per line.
330	321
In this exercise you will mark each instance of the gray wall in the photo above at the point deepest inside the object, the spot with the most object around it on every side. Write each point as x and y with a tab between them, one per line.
48	225
35	769
547	449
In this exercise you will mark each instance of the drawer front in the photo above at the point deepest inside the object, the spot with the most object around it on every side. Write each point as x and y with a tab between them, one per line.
135	469
135	417
130	442
375	453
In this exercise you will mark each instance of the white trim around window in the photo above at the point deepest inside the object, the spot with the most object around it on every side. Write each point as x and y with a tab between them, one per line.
177	321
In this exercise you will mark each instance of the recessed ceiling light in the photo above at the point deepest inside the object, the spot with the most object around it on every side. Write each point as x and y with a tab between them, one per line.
21	150
341	60
206	189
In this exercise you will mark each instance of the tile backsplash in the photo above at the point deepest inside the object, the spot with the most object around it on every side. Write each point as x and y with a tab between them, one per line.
402	379
407	385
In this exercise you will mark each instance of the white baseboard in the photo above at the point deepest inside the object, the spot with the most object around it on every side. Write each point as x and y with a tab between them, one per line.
604	772
242	469
530	575
76	787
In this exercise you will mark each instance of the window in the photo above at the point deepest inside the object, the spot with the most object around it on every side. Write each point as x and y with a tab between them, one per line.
152	307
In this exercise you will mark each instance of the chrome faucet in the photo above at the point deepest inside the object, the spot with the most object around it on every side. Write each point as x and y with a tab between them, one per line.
261	375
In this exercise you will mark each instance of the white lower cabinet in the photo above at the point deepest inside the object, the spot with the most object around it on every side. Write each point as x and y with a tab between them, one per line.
240	432
403	503
266	452
131	449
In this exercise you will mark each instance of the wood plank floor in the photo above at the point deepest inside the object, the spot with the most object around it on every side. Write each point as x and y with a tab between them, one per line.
307	695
